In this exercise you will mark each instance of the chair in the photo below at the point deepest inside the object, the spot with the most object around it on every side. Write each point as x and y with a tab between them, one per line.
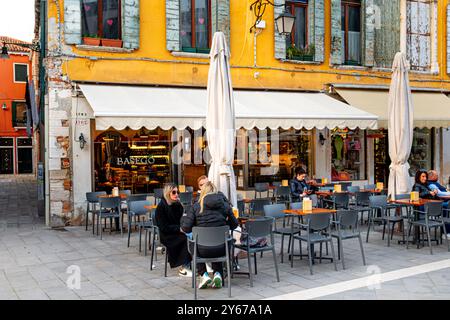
158	194
282	194
318	230
189	189
186	198
257	206
136	209
276	211
370	187
339	200
347	228
345	185
210	237
153	229
258	228
261	187
379	204
241	208
92	201
362	203
275	185
109	208
433	219
296	205
315	200
353	189
130	198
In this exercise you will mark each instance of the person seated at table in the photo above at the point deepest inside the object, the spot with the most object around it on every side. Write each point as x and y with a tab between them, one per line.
433	184
168	218
421	186
212	210
299	186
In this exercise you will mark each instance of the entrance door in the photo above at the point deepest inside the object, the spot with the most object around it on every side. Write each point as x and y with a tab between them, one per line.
6	156
24	155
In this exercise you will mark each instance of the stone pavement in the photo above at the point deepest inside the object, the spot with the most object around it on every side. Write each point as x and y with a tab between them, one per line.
34	261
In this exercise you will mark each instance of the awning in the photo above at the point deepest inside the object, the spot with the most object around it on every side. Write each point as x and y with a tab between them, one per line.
152	107
431	109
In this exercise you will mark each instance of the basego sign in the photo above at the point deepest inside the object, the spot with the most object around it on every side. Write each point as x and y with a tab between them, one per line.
134	161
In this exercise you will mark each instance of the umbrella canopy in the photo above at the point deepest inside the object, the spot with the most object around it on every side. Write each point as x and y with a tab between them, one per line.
220	119
400	126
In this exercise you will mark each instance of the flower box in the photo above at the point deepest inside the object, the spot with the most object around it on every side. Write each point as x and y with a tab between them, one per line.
117	43
302	57
91	41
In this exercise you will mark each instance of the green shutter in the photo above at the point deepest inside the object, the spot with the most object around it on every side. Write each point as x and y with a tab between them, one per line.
369	13
319	28
14	115
173	42
130	24
220	18
387	32
280	41
336	33
448	39
72	21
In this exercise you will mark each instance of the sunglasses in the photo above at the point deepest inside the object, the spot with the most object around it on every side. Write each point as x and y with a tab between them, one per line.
174	192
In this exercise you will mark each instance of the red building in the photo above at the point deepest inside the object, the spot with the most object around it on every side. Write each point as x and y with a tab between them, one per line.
16	149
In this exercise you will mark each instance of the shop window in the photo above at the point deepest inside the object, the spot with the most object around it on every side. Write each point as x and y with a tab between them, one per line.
421	157
19	114
348	157
195	31
20	72
351	31
101	22
297	43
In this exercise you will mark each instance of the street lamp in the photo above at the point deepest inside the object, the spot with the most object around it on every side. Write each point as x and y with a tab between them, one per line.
32	46
285	21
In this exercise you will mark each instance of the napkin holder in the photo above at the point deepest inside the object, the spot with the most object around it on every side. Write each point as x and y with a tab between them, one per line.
115	192
337	188
182	188
380	186
414	196
324	180
307	205
285	183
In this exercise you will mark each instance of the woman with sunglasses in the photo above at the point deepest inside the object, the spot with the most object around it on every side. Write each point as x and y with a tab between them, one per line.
168	215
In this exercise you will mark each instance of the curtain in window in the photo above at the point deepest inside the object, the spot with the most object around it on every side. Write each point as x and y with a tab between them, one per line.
111	21
354	46
300	27
186	23
201	24
89	12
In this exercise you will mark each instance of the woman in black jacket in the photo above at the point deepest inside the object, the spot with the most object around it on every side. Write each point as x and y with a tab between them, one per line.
212	210
421	185
168	218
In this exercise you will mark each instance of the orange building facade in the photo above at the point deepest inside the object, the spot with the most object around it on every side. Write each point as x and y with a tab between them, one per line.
16	148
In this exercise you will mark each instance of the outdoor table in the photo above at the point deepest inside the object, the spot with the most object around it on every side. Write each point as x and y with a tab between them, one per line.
150	207
122	196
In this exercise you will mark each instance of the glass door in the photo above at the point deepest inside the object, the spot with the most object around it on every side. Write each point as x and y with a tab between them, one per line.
6	156
24	155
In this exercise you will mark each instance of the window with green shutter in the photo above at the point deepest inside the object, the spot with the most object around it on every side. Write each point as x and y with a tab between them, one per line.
19	114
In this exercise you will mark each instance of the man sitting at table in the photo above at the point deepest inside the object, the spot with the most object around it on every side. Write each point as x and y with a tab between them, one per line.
299	187
433	184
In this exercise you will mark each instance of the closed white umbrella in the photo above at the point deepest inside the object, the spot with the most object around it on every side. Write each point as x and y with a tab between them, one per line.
220	119
400	126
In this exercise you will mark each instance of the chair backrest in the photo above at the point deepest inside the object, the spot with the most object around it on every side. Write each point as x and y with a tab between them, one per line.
92	197
296	205
109	203
353	189
257	205
137	206
283	191
345	185
158	192
319	221
261	186
241	207
136	197
314	199
318	180
126	192
276	184
347	219
186	197
259	228
189	189
275	210
341	199
210	236
378	201
433	209
362	198
402	196
370	186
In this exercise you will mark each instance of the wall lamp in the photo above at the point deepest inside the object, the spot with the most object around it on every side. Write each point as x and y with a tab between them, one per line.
82	141
32	46
322	139
4	107
284	22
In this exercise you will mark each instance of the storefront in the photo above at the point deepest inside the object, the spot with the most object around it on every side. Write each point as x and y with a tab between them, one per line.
427	148
143	137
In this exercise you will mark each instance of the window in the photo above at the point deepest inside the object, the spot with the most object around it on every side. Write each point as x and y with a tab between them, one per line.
347	155
195	25
20	72
351	31
19	114
419	34
297	44
101	19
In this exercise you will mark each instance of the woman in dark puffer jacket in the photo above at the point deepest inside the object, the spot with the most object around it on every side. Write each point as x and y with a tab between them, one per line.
212	210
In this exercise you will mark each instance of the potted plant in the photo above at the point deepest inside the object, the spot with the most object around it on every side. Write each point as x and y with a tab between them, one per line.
117	43
91	40
301	54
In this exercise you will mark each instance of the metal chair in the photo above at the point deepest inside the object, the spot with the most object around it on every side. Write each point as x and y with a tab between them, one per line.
152	230
258	228
347	228
362	203
345	185
276	211
370	186
318	230
186	198
339	200
130	198
353	189
261	187
379	204
257	206
92	202
275	185
109	208
241	208
210	237
189	189
282	194
136	209
433	219
158	194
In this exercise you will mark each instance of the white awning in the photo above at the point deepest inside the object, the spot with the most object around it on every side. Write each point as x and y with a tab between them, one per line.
151	107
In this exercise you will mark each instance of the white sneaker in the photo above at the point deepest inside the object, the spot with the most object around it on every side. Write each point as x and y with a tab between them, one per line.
205	281
217	281
182	271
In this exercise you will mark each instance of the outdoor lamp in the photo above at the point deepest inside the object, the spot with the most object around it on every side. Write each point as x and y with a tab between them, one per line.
322	139
82	141
285	23
4	54
4	106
